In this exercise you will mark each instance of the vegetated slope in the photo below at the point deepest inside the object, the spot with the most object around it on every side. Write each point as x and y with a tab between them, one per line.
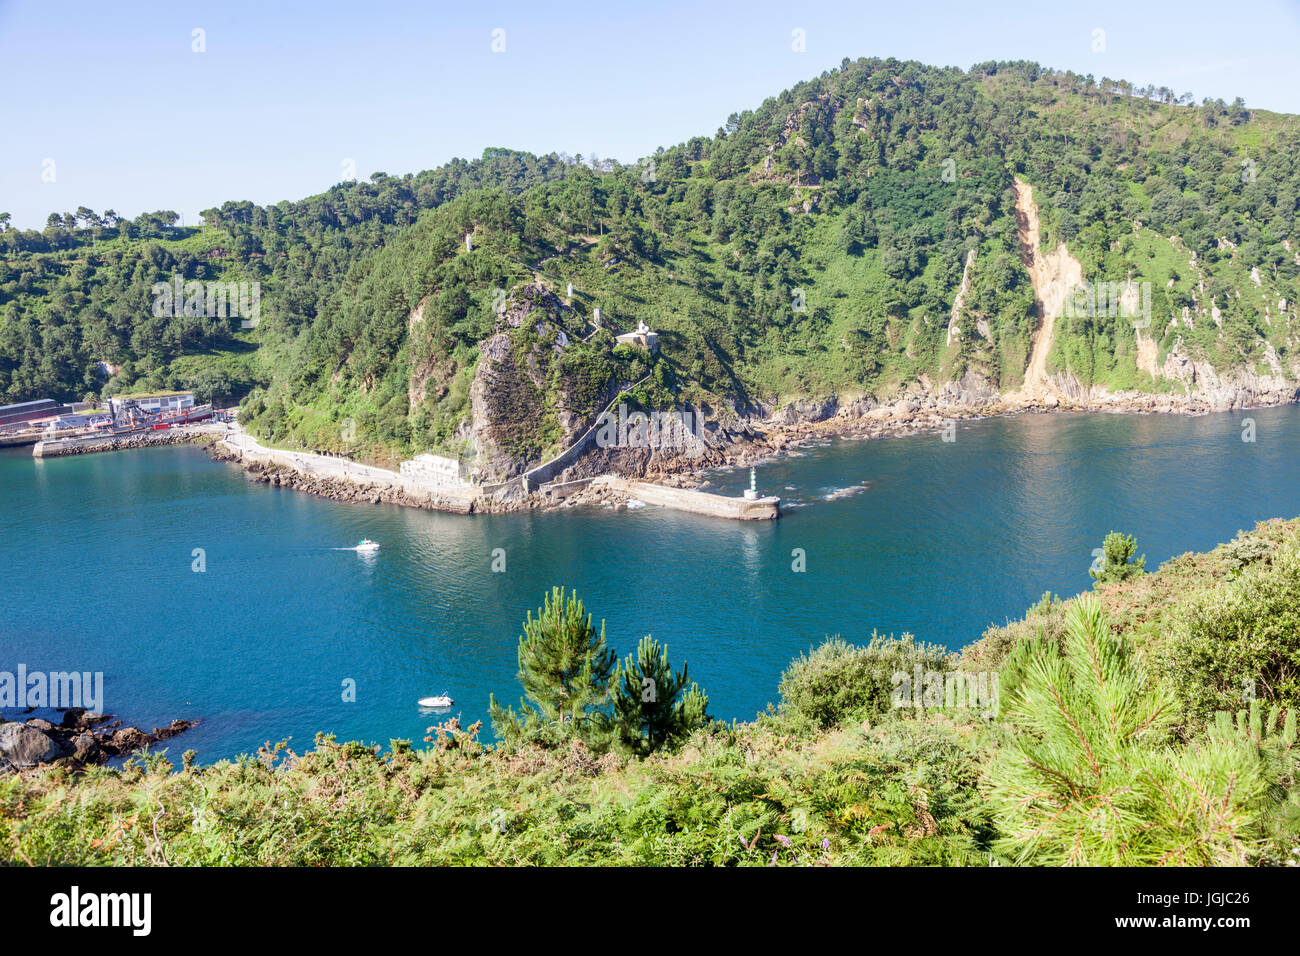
814	249
76	307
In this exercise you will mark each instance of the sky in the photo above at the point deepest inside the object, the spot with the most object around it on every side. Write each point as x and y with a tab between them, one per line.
124	106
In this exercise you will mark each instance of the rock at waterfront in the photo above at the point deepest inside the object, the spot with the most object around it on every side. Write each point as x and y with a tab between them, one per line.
22	746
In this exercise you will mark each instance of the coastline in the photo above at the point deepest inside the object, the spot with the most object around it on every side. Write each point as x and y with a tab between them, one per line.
744	442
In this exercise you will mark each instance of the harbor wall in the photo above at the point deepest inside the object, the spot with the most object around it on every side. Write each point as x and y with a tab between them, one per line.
88	444
548	471
697	502
348	472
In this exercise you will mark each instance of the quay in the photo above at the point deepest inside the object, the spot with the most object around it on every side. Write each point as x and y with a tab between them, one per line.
88	444
468	498
748	508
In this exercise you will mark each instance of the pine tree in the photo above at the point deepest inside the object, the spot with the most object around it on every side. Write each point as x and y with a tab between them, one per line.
1091	775
653	707
565	669
1114	563
1272	739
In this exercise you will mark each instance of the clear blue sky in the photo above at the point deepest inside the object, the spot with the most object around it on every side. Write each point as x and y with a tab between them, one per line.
286	91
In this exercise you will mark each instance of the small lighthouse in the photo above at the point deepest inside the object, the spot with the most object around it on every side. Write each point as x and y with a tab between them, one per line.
752	491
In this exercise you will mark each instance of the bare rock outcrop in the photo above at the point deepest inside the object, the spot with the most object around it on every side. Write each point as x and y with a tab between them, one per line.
81	738
519	416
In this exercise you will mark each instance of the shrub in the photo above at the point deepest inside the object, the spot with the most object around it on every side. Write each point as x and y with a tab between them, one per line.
1239	641
1246	549
840	680
1046	618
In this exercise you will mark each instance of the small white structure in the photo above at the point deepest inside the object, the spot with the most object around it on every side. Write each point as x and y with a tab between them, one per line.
434	470
641	338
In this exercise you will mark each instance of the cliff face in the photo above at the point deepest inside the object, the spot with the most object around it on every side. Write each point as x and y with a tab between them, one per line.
1239	387
537	387
1200	387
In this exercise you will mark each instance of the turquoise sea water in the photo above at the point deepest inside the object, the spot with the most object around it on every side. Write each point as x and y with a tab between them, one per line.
907	534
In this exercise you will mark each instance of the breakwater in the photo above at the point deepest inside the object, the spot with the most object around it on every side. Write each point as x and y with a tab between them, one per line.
89	444
695	502
341	479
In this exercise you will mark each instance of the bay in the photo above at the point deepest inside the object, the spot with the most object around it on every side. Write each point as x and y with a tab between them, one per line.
940	539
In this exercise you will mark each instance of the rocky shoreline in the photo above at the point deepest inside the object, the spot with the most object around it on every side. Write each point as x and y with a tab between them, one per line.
80	739
736	440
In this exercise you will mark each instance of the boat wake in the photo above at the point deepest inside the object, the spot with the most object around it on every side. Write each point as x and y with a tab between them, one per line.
838	493
364	546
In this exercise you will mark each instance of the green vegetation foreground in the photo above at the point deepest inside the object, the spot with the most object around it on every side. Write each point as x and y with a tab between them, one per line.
1151	722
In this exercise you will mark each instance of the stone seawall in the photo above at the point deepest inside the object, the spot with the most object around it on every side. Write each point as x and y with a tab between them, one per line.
696	502
549	471
89	444
341	479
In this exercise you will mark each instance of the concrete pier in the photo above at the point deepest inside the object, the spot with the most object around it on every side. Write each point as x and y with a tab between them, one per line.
696	502
87	444
348	472
469	498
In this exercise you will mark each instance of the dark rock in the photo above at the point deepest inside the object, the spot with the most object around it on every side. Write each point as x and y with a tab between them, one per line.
177	726
22	746
127	739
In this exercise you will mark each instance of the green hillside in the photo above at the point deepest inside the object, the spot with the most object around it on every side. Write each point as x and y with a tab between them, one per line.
812	247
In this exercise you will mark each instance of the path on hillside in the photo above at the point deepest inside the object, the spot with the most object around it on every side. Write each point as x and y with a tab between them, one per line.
575	446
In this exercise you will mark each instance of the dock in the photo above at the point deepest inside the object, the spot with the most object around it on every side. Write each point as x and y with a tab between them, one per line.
756	508
88	444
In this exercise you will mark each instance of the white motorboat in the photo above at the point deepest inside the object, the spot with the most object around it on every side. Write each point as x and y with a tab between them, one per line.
442	700
367	546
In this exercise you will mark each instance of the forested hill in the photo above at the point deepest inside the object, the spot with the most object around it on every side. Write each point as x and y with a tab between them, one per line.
78	293
854	235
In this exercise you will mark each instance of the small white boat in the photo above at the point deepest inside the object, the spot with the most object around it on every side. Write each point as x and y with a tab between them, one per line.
367	546
442	700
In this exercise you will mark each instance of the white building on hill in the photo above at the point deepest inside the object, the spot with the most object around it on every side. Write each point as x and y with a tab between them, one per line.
642	338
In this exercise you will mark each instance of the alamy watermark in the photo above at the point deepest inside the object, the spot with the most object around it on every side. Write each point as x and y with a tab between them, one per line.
682	431
1114	299
58	689
213	299
125	910
946	689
